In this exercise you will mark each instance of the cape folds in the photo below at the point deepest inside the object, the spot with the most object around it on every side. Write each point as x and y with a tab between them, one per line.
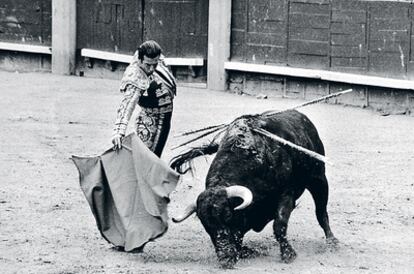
128	192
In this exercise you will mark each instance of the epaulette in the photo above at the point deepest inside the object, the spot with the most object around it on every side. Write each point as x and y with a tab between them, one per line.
135	76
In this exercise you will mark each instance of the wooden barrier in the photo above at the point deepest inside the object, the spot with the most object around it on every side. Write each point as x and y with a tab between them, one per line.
334	76
125	58
25	48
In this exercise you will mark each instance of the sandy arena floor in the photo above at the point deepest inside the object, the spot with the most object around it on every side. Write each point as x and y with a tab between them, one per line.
46	225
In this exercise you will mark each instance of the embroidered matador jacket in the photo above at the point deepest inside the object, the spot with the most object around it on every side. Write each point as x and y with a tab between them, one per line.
154	94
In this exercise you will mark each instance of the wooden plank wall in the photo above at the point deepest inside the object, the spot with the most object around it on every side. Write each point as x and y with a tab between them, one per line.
357	36
110	25
308	33
410	68
259	31
24	21
348	41
389	38
180	26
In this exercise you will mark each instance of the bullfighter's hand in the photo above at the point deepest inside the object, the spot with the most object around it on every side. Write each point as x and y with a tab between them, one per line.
117	141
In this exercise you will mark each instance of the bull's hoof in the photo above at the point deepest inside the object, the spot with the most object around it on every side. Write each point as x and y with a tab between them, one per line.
332	243
227	255
227	264
247	252
288	255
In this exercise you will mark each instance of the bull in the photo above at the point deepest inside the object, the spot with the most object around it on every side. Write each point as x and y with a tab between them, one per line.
253	180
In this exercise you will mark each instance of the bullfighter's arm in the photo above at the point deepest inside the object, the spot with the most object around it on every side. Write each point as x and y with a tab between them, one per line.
126	108
177	163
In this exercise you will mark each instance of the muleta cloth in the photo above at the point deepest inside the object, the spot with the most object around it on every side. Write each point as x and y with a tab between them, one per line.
128	192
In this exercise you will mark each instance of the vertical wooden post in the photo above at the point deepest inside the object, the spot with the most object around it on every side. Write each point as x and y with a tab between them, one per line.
219	29
63	36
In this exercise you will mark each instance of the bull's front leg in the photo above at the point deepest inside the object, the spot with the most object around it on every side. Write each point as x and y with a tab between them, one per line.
280	225
243	251
228	246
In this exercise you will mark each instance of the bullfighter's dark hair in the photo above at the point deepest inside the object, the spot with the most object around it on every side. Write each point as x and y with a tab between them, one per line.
150	49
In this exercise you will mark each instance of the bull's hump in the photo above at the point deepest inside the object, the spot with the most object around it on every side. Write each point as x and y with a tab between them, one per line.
240	135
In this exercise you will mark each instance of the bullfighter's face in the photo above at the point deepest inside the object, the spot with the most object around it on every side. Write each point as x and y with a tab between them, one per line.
148	65
216	214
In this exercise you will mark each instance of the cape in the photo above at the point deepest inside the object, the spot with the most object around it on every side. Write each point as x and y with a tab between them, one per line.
128	192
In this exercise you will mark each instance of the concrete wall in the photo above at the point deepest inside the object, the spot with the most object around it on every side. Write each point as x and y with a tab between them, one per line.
384	100
25	62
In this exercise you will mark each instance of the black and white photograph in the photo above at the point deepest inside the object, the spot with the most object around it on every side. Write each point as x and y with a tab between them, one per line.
207	136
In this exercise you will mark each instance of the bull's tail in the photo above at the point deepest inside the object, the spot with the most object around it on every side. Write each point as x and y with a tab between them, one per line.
179	162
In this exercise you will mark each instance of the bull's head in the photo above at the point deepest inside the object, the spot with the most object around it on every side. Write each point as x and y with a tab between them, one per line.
217	210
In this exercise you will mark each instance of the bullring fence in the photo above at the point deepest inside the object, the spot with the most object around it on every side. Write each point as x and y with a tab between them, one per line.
286	48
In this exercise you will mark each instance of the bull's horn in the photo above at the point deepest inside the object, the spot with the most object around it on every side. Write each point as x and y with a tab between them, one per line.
187	213
241	192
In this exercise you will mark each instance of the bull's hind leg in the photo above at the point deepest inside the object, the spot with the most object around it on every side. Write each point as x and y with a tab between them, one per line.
320	191
280	225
